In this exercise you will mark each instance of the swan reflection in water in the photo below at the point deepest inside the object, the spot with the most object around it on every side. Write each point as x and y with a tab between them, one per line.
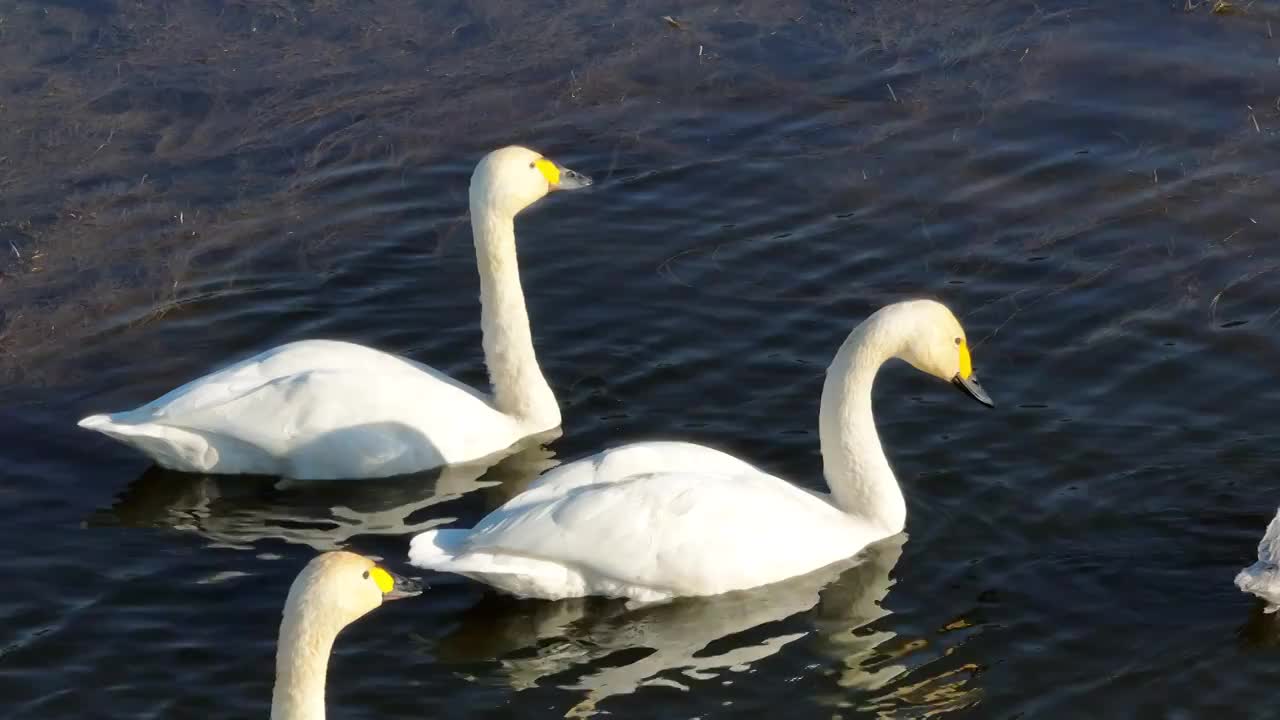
596	639
1261	629
238	511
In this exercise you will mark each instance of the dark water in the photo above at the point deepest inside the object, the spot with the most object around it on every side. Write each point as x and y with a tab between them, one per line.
1090	186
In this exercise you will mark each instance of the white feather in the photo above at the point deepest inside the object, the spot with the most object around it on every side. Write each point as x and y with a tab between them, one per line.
1263	577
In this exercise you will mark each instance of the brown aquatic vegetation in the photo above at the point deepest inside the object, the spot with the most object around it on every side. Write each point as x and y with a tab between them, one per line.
156	154
144	138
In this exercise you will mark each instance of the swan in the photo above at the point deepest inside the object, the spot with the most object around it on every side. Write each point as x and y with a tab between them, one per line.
651	521
1263	577
334	590
323	409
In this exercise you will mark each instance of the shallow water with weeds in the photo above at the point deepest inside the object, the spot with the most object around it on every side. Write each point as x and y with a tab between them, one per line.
1091	188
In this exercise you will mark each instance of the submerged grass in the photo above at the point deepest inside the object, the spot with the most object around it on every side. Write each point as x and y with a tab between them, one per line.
150	146
143	138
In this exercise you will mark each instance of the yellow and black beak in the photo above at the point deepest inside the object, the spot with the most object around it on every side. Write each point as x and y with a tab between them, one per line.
966	380
971	387
393	586
561	178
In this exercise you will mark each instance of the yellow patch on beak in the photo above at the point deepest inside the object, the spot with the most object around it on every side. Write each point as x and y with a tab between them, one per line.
382	578
966	363
548	170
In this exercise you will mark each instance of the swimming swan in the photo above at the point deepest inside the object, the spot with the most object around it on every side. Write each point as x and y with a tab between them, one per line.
321	409
655	520
334	590
1263	577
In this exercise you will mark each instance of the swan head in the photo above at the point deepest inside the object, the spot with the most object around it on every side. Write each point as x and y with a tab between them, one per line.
338	588
512	178
936	344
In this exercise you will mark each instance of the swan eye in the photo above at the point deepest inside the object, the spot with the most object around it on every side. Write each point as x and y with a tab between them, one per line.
958	341
366	575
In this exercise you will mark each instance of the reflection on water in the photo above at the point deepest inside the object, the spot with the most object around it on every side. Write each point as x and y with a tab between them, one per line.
608	650
1261	629
881	665
238	511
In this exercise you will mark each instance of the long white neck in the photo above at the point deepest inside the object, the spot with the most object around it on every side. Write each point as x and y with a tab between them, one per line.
302	661
862	483
519	390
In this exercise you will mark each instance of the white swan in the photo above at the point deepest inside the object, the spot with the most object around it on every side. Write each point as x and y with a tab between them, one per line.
321	409
1263	577
334	590
655	520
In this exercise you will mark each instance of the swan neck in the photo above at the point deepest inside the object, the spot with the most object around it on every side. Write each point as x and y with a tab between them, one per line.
302	662
857	471
519	389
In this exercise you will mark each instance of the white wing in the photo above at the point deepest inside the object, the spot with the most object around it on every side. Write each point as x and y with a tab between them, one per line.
295	358
315	409
673	533
625	462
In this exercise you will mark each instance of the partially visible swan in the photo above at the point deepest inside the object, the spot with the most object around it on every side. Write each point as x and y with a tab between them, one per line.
321	409
1263	577
334	590
655	520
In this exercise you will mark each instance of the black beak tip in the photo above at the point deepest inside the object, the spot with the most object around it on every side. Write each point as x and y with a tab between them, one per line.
405	587
973	389
572	180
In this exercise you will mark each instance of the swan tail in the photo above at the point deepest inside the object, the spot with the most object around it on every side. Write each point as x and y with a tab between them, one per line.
1263	580
446	551
170	447
435	549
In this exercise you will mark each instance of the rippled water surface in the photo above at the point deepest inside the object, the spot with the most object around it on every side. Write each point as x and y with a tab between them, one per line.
1092	187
